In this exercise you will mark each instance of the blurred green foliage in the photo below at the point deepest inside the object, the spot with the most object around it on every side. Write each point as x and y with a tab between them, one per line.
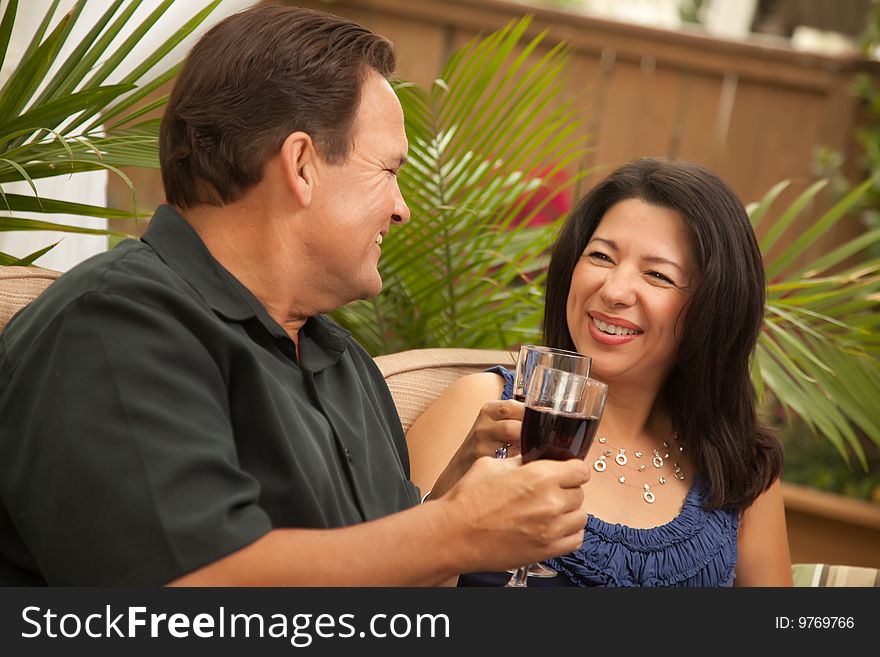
811	460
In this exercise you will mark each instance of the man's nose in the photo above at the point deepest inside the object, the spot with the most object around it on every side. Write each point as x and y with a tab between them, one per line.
401	210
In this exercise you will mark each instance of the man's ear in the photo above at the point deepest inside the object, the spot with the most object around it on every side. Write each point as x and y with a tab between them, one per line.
298	163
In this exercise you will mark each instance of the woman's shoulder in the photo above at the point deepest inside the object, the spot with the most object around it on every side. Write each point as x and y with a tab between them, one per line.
490	384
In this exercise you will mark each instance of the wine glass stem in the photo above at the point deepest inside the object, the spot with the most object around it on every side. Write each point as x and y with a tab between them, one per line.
520	577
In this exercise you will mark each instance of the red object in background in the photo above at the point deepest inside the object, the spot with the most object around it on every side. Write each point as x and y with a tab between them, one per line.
558	206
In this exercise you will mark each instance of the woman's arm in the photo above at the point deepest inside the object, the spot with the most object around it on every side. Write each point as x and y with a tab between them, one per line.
460	426
764	559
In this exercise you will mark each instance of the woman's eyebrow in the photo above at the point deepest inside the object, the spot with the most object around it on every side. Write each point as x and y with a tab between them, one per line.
660	260
611	244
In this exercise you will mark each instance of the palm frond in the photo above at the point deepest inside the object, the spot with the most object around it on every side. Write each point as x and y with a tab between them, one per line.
819	351
41	115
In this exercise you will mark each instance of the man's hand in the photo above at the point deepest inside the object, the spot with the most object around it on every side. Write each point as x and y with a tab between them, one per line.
507	514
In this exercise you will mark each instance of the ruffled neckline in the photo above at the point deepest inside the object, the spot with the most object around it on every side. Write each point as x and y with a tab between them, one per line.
688	522
696	548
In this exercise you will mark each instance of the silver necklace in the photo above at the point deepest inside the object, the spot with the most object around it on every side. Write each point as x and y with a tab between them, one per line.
658	460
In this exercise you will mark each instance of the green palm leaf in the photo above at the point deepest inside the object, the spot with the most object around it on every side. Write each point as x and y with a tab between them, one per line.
489	145
40	117
818	354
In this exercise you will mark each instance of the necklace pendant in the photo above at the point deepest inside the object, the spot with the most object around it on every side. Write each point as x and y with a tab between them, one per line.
621	479
648	496
657	461
621	457
638	455
642	467
603	440
599	464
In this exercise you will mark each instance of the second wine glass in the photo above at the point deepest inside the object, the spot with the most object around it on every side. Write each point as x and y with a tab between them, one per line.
530	357
561	418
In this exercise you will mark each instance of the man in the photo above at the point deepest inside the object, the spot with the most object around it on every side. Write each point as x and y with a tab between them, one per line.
179	411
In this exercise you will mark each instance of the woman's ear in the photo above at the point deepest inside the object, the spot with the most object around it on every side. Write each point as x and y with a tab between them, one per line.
298	163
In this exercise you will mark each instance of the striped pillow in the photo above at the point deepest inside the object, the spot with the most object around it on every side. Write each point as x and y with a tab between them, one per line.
823	574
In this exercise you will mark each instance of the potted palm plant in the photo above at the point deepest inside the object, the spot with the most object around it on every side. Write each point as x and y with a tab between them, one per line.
468	272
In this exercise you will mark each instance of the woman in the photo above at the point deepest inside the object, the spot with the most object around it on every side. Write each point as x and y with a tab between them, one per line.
657	276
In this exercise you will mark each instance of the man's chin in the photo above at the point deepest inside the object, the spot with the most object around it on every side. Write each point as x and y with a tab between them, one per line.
373	291
368	291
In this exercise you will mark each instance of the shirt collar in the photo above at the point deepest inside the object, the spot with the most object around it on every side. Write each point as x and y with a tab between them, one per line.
181	248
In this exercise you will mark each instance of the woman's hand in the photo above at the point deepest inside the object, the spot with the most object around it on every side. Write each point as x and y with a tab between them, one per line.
458	428
497	427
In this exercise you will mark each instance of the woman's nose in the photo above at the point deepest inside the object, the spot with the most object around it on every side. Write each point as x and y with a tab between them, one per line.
618	289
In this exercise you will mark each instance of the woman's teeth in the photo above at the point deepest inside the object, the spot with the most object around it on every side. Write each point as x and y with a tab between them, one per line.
611	329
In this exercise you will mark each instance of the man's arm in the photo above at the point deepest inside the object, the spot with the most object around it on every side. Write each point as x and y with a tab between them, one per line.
501	514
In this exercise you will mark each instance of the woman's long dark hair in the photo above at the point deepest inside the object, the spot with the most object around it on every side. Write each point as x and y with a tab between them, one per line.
709	393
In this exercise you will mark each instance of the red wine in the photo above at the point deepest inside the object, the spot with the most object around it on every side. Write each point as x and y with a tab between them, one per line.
547	434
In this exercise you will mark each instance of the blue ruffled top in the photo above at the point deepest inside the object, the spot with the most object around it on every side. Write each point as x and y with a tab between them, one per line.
696	548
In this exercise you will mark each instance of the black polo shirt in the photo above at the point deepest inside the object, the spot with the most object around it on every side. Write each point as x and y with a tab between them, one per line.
154	418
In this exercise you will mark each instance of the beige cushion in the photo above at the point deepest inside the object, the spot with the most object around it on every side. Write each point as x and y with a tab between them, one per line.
417	377
19	286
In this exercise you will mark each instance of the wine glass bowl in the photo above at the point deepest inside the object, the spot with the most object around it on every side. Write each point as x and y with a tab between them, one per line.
531	356
561	425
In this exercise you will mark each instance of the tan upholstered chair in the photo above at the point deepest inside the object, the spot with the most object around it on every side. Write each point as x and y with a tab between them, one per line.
416	378
19	286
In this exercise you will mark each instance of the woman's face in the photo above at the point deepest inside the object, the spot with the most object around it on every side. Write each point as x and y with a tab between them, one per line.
629	291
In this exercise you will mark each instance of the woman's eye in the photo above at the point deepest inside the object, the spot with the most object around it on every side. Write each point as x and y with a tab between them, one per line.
598	255
656	275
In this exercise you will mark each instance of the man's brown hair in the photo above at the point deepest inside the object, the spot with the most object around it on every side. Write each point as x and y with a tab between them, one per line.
252	80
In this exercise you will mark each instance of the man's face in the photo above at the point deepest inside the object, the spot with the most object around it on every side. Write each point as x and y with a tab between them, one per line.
354	203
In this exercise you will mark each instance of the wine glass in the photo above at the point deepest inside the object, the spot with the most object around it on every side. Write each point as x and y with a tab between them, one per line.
562	415
530	356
